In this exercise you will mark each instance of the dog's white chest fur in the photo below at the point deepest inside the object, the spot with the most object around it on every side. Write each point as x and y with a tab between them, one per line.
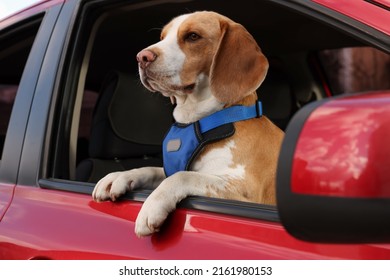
220	162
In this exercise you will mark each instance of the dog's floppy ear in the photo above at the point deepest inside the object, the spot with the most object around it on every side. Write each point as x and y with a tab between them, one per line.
239	67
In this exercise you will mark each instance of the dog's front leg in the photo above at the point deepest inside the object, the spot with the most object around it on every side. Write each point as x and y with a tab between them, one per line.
172	190
116	184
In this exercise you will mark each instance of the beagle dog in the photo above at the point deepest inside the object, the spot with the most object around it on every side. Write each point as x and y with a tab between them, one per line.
220	146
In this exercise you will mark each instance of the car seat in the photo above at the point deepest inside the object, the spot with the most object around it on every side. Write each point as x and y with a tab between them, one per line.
276	96
128	127
283	93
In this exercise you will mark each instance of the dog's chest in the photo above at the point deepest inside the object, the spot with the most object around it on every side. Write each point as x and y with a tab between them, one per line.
183	144
219	160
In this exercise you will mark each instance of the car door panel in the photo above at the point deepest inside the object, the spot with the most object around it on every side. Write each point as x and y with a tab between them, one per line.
52	224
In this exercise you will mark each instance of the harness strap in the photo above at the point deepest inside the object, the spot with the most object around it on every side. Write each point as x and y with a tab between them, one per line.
183	142
229	115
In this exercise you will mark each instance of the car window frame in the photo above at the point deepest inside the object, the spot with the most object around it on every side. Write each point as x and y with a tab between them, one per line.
349	25
13	146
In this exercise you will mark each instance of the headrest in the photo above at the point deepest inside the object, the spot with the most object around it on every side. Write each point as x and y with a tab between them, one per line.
128	121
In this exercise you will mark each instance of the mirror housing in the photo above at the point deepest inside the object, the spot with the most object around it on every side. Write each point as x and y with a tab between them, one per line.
333	177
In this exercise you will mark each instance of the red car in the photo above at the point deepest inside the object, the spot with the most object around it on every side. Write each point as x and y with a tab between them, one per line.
64	66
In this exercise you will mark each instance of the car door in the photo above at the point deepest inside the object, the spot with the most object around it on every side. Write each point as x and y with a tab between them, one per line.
19	54
17	35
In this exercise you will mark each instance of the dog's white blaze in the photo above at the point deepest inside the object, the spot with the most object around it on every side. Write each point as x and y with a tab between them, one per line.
220	162
172	55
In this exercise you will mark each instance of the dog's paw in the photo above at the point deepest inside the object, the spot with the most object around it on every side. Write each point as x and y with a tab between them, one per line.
152	216
112	186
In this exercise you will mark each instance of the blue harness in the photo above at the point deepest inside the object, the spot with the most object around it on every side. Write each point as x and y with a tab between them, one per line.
184	141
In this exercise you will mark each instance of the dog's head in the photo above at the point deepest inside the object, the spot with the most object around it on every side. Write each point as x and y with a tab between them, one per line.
203	53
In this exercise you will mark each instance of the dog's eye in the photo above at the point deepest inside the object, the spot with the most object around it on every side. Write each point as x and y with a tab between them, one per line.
192	37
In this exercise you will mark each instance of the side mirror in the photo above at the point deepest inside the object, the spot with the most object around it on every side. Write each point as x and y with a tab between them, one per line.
333	177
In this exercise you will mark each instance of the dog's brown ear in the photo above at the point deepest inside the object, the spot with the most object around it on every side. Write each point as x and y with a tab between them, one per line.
239	67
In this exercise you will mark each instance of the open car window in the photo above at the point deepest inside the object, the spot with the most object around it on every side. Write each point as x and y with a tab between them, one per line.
357	69
107	121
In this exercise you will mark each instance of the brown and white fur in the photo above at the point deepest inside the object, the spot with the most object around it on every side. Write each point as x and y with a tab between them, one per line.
204	62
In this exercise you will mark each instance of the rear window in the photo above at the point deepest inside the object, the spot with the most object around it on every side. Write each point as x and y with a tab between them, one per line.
356	69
